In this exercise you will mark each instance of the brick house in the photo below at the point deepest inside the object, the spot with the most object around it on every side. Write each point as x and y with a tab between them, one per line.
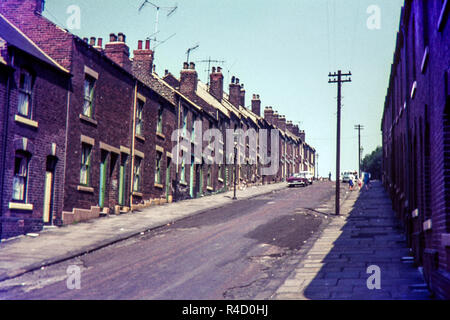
98	136
34	99
416	135
114	159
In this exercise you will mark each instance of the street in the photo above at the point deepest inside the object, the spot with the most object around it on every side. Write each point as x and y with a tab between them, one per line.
239	251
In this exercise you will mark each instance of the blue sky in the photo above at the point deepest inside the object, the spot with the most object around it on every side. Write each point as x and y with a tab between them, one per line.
282	50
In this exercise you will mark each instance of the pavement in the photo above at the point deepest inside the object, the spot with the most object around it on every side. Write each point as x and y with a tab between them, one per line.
362	247
28	253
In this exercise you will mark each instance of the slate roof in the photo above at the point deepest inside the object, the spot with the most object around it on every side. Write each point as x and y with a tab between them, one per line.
16	38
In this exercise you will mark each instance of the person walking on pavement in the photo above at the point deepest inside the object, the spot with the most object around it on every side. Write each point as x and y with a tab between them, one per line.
366	180
350	182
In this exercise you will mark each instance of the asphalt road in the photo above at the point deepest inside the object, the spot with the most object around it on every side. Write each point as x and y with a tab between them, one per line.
234	252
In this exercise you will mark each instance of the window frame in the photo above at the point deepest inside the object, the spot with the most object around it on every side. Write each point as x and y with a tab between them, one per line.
92	82
137	176
24	192
86	164
158	161
27	92
140	118
159	119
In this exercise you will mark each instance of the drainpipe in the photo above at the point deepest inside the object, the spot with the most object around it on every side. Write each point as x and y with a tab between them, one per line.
5	137
175	198
66	143
133	143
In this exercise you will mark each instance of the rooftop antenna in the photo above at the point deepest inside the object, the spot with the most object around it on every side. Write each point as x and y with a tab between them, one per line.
209	60
228	71
170	10
161	42
188	52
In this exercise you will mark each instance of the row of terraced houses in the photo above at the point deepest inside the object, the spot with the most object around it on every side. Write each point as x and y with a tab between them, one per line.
416	137
88	131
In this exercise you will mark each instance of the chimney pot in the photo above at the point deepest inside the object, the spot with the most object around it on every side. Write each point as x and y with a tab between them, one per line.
185	65
219	69
233	79
112	37
147	44
237	80
86	40
100	42
121	37
213	69
92	43
166	72
140	45
192	66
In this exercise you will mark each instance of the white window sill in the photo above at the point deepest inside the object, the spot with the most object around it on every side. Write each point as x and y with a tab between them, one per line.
26	121
20	206
85	189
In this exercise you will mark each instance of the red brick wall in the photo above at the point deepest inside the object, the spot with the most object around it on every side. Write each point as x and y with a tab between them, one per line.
49	111
423	156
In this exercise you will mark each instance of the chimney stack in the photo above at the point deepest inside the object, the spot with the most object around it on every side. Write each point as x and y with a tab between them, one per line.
290	126
295	130
118	51
40	6
235	92
302	135
216	83
256	105
188	79
143	60
99	45
282	122
268	114
275	119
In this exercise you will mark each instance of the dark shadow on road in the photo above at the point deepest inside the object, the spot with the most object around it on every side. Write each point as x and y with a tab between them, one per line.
371	236
289	231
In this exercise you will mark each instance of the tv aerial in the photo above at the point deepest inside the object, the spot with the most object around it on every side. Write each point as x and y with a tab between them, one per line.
188	52
209	61
170	11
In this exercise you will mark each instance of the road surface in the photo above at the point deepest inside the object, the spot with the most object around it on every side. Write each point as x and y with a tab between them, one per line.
235	252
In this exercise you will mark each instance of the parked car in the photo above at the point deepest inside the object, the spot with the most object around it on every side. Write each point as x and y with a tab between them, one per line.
308	176
297	179
347	175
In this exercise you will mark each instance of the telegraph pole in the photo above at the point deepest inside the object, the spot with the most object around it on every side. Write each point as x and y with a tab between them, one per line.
338	78
359	128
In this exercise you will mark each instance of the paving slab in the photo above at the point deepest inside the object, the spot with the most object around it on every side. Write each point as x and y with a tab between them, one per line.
366	234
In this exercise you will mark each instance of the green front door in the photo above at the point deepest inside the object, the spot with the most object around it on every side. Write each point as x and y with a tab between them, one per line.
169	163
122	177
102	187
191	179
200	182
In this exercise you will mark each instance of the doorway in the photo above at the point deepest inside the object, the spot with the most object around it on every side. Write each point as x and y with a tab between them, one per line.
48	190
102	187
